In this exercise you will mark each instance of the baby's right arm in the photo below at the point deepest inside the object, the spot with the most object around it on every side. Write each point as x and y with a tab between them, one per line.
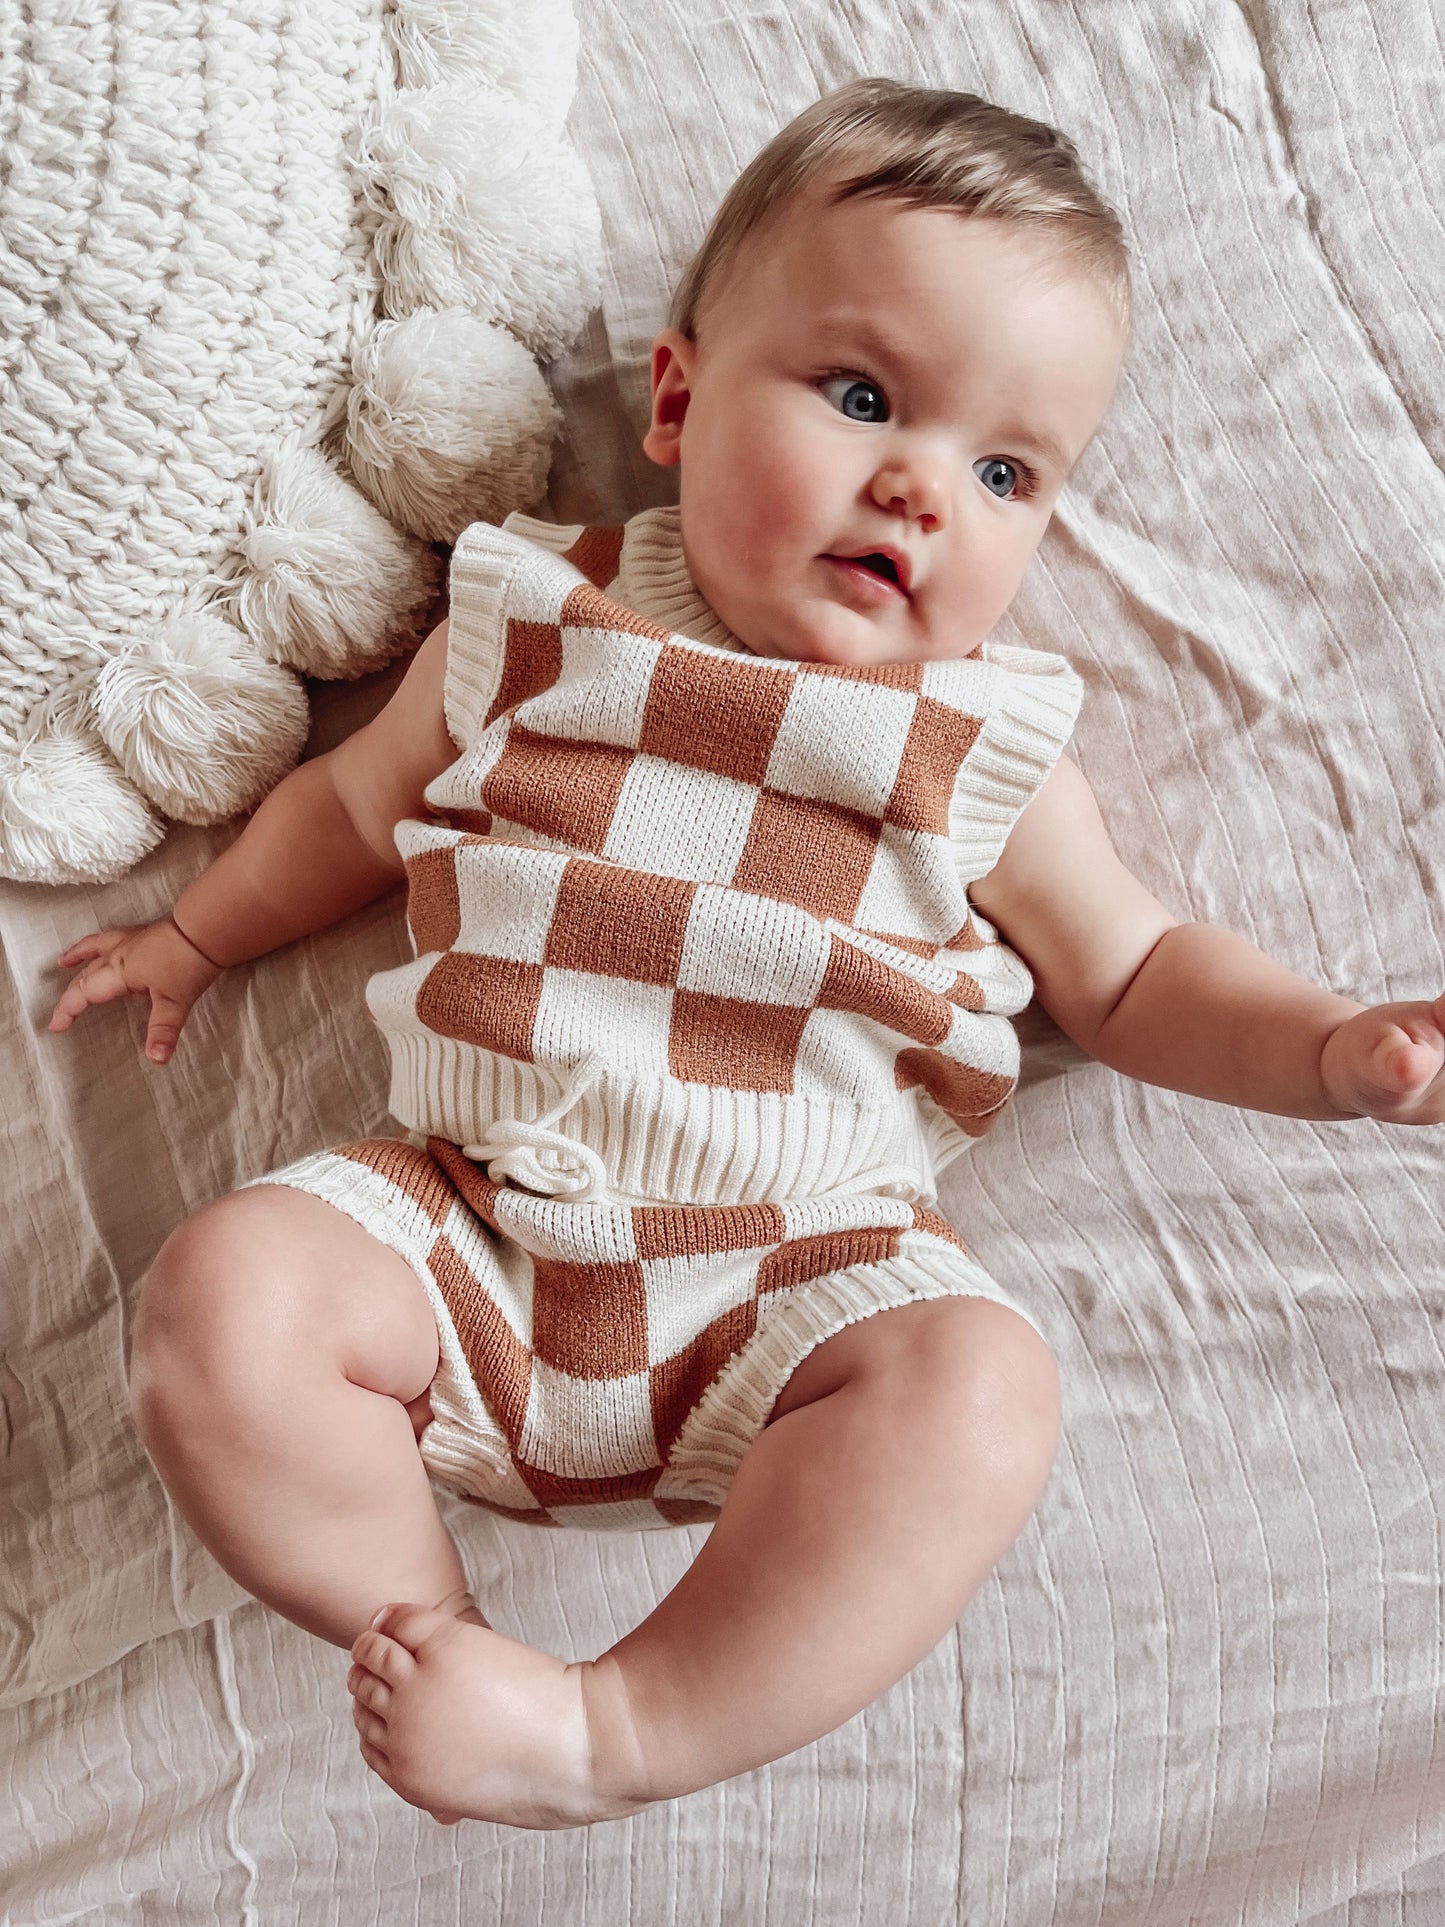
319	846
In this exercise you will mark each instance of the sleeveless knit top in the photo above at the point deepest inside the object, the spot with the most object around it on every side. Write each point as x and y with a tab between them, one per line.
731	888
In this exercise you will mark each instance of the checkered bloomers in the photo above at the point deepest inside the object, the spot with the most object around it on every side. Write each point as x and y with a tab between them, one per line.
695	957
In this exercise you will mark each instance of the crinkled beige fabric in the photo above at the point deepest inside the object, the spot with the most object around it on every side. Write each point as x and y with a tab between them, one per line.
1205	1685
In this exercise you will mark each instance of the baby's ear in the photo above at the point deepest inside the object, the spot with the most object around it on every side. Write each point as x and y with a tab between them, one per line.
673	360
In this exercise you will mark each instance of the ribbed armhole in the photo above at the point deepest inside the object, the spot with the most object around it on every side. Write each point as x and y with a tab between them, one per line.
484	562
1021	740
558	537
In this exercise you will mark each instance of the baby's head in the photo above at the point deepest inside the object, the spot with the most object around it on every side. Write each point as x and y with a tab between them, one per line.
901	330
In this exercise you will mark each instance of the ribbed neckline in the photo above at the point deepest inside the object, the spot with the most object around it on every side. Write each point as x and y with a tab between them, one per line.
653	578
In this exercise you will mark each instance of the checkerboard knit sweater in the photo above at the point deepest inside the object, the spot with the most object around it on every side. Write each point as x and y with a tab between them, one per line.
706	913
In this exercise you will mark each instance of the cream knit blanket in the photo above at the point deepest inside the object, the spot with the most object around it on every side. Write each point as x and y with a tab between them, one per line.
272	279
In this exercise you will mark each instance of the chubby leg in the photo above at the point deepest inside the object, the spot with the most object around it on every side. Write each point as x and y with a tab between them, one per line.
902	1459
279	1373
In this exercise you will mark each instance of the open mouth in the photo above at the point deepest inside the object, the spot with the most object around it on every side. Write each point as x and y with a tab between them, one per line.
875	571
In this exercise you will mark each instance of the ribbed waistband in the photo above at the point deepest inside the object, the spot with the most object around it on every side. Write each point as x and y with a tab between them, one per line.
661	1140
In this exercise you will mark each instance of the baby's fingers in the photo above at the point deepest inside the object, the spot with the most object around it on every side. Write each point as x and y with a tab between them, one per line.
86	947
1392	1061
167	1016
1402	1072
97	983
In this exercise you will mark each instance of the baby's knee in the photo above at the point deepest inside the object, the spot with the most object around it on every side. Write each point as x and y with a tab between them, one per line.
204	1323
985	1383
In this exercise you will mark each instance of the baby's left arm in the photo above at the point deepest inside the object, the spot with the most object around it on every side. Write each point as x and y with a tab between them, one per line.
1189	1005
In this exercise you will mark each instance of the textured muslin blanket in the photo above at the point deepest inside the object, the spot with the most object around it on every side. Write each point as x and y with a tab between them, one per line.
1205	1685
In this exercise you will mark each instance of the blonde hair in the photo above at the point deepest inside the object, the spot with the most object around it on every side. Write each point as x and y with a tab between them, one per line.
928	148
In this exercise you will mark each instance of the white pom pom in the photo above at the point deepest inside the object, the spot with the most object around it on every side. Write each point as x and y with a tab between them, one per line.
449	421
528	48
482	207
68	815
197	720
327	585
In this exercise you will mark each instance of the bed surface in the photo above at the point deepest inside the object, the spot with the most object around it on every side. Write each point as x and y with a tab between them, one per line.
1206	1684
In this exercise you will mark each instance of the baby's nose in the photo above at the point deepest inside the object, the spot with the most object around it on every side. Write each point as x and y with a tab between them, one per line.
918	490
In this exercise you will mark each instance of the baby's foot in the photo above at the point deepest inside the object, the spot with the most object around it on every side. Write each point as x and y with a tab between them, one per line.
464	1722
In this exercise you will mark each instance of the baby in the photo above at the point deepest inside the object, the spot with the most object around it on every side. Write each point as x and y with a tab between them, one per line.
732	846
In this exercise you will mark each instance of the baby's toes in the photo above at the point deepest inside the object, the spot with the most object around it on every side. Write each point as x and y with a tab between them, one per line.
385	1658
378	1762
371	1692
371	1726
415	1626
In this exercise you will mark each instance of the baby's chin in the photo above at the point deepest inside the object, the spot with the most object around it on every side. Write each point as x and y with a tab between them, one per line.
828	633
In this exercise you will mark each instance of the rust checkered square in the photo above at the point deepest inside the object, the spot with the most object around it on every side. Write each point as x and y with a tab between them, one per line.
963	1091
597	552
588	608
590	1321
432	901
619	922
531	662
802	1259
808	852
489	1001
882	675
715	713
473	822
566	790
939	739
685	1230
725	1040
893	998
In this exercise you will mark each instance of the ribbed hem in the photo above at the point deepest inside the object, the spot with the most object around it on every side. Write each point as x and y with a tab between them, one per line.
484	562
738	1403
1028	723
660	1139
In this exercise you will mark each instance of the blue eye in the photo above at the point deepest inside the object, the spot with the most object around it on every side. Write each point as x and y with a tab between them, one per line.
856	403
999	477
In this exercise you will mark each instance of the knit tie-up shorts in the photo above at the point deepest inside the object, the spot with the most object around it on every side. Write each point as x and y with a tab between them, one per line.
605	1364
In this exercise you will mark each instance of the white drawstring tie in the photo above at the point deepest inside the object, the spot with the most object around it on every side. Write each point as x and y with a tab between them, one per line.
545	1161
539	1158
881	1180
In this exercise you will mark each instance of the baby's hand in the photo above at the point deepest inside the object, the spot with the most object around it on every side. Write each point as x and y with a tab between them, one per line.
141	959
1387	1063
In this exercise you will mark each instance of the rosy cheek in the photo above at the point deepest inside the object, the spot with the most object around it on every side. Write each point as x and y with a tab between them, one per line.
764	507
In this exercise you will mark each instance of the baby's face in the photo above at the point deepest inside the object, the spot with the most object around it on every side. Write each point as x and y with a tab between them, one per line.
876	377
